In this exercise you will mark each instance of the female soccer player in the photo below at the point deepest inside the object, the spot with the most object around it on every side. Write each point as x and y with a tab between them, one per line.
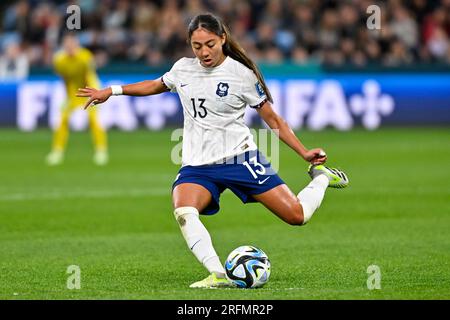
76	67
218	148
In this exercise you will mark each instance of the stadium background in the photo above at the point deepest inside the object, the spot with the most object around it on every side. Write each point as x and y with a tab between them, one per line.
377	100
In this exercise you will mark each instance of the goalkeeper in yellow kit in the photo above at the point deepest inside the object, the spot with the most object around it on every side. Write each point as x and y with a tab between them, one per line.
76	67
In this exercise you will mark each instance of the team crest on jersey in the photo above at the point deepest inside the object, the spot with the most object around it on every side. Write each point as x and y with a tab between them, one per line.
259	89
222	89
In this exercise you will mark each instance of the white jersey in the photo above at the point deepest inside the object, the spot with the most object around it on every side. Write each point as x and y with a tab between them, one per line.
214	102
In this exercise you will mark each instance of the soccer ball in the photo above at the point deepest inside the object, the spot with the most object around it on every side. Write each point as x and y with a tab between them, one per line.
248	267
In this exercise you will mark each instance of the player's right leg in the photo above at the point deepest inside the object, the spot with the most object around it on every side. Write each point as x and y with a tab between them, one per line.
337	178
322	177
99	138
188	200
60	137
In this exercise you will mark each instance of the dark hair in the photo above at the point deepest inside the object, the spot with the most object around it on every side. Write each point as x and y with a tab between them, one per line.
69	33
231	47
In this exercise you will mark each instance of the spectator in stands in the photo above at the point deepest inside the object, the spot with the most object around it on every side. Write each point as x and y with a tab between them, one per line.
330	31
14	63
438	44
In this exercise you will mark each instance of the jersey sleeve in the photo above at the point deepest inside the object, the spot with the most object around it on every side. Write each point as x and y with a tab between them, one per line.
170	78
92	79
252	90
57	64
91	74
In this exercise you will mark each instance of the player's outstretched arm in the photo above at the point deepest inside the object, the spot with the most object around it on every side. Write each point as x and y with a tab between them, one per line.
143	88
285	133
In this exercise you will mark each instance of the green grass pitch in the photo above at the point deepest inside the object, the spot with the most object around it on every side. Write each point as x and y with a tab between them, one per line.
116	222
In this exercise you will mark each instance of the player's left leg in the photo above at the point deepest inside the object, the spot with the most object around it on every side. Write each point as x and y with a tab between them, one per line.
60	137
99	138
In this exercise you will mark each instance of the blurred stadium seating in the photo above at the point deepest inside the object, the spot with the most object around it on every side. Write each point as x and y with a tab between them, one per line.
153	33
323	65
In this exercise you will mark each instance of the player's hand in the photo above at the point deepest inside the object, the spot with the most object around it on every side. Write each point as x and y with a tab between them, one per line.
95	96
315	156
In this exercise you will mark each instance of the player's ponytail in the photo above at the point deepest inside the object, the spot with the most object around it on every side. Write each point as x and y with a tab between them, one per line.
231	47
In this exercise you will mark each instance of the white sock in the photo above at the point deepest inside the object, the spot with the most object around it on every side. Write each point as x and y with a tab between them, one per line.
198	239
311	197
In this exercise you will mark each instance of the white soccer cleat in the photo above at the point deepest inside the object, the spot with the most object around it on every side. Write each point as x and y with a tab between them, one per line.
101	158
213	282
55	158
337	178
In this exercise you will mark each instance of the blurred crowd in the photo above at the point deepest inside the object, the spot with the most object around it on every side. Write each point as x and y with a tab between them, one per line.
327	32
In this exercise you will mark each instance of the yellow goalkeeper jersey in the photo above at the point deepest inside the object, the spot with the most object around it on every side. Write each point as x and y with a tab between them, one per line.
77	71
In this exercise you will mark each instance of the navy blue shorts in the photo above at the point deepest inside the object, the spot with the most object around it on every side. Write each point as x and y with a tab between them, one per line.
245	175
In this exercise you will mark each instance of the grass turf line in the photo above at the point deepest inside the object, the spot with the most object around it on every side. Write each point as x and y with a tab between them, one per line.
116	222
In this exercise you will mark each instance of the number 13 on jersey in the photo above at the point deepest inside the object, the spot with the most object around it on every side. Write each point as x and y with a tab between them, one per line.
200	106
260	168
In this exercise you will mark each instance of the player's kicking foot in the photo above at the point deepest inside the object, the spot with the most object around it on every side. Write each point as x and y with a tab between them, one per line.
337	178
55	158
212	281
